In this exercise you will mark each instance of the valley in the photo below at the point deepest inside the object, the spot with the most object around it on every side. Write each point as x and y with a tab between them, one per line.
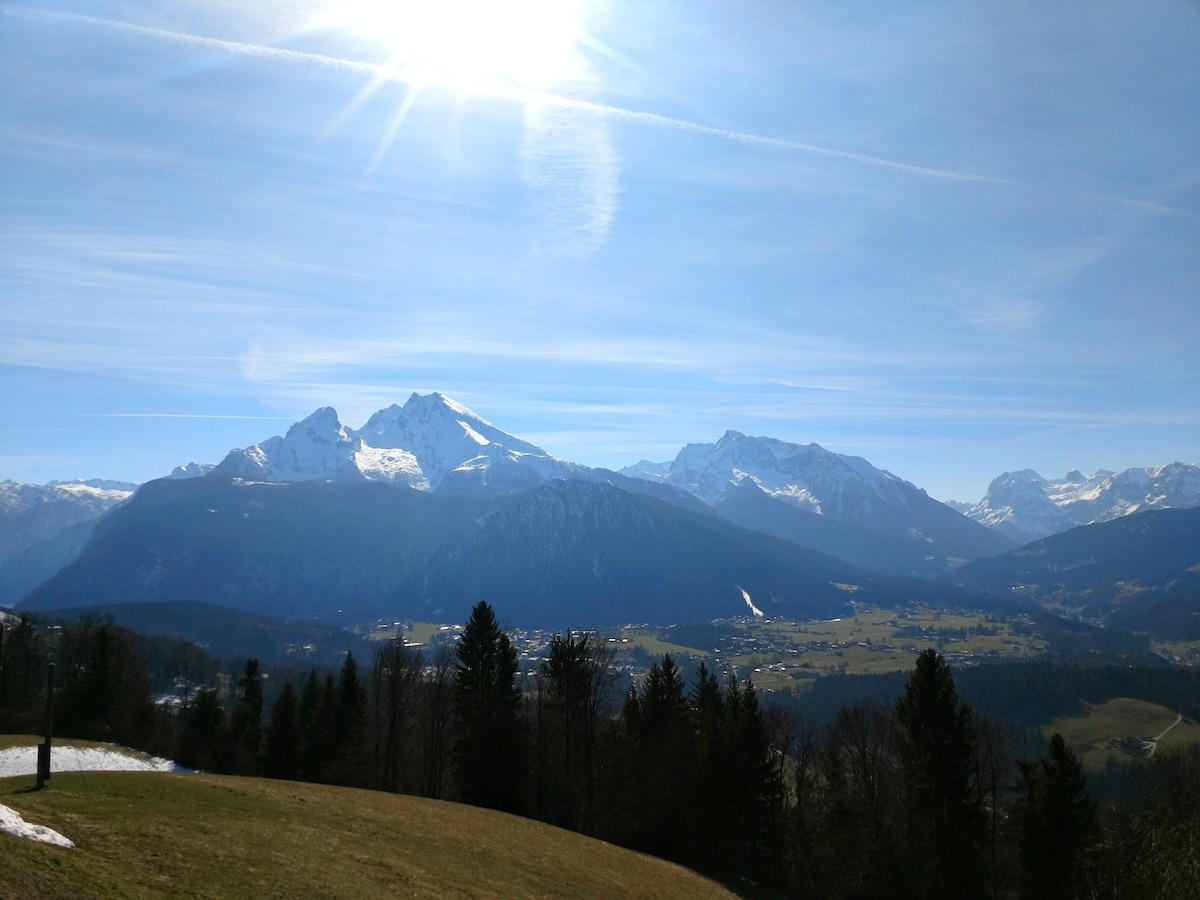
787	655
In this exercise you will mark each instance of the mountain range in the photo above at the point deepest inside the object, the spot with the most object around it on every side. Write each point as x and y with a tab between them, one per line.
428	508
44	527
1025	506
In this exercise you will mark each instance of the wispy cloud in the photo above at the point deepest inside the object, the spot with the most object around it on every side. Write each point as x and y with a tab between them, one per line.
383	72
570	164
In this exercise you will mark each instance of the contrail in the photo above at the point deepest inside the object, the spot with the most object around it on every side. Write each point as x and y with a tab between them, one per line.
514	94
145	415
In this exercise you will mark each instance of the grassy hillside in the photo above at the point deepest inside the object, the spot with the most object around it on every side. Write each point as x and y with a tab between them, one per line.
1122	729
149	835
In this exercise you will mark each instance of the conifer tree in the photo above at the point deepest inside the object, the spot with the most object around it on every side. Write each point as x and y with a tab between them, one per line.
312	728
487	754
573	694
246	728
22	676
659	763
106	687
1057	824
282	737
347	716
944	820
757	791
204	737
713	795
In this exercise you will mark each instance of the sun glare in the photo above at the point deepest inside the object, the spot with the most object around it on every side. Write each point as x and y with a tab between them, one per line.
470	43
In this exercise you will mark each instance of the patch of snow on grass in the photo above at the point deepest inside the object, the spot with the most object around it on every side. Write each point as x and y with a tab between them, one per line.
18	761
12	823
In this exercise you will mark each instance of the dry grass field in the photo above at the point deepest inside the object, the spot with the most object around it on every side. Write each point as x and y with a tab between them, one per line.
156	835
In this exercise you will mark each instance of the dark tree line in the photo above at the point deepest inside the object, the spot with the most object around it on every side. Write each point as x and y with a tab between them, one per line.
918	797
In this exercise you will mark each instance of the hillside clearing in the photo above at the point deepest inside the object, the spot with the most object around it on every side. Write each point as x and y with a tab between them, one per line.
1121	729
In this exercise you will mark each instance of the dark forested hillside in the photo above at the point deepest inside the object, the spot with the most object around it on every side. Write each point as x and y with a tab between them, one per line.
286	550
928	553
1140	571
569	550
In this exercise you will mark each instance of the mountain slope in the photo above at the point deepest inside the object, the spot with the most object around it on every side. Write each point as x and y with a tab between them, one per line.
574	553
569	552
44	527
1112	571
285	550
890	552
35	512
1025	506
906	531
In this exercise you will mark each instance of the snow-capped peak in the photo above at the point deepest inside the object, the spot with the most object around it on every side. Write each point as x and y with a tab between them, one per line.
807	475
318	447
430	443
1026	506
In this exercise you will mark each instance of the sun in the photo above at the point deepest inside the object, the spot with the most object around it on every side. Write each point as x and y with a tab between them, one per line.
531	44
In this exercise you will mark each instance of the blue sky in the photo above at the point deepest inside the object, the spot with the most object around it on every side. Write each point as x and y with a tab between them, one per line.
955	239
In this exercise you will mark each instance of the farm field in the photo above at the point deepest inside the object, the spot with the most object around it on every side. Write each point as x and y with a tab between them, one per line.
782	654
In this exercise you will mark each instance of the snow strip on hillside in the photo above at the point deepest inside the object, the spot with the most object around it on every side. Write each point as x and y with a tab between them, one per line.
18	761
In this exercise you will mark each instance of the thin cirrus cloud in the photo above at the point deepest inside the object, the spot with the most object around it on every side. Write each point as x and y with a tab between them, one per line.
570	164
568	160
383	73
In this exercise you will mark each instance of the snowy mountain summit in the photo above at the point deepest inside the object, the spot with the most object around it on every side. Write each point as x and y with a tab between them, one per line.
847	488
430	443
1027	507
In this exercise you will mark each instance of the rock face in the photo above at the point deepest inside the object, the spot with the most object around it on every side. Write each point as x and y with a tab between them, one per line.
430	443
1025	506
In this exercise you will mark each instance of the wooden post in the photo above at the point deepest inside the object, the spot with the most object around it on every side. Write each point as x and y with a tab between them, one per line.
43	772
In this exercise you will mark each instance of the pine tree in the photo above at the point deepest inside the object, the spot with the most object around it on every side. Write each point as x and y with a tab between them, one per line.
944	827
487	753
204	736
659	763
756	791
312	727
714	793
22	676
282	737
246	728
573	693
347	715
1057	824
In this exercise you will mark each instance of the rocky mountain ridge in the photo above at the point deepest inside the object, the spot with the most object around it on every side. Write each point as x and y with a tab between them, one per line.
429	443
1026	507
